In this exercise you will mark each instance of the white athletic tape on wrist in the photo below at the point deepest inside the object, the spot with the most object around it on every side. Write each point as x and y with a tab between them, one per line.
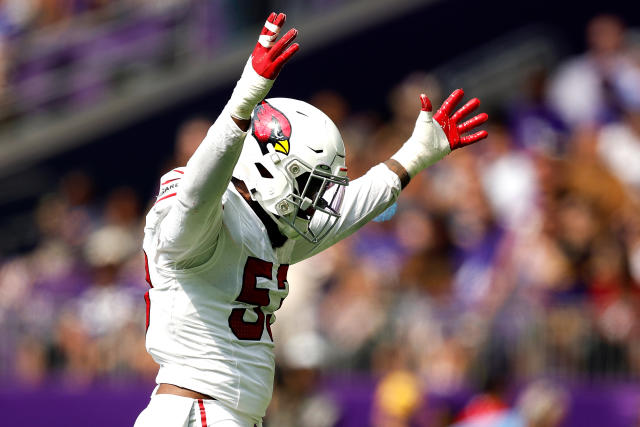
267	40
427	145
250	89
272	27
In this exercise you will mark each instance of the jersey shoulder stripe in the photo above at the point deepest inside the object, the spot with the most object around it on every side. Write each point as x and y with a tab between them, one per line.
165	197
168	181
169	185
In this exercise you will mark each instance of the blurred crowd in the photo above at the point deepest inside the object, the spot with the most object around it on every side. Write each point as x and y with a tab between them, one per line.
60	56
511	260
25	16
20	17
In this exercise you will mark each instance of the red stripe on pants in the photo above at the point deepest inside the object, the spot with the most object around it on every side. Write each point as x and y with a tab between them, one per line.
203	414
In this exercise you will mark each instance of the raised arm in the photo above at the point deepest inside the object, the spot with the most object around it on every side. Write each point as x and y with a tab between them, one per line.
263	67
436	135
193	221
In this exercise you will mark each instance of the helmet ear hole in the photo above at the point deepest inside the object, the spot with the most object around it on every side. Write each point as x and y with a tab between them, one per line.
263	171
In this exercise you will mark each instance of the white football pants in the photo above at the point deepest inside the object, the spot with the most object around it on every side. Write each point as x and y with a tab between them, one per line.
167	410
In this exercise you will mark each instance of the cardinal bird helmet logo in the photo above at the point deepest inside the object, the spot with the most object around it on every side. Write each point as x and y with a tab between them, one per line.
270	126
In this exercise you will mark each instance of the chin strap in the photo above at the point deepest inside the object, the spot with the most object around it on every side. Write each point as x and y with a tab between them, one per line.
275	236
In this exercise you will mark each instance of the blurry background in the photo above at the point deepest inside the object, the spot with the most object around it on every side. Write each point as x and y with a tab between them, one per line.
505	290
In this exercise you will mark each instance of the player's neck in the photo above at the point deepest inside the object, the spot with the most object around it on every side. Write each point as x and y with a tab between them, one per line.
275	236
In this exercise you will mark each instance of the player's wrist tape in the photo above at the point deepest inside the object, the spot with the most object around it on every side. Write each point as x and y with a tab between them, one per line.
427	145
250	89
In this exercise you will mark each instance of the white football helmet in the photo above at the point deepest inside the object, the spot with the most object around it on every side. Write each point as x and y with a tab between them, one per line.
293	163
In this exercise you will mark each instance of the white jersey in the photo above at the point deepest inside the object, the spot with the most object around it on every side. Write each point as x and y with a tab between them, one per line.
216	279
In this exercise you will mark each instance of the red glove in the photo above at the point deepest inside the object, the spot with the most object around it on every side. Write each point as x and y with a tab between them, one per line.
263	66
269	56
436	135
450	125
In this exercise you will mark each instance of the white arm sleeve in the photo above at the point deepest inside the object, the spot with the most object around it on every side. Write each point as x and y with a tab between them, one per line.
191	226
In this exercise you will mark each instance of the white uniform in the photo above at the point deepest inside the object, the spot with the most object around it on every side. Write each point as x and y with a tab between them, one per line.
217	281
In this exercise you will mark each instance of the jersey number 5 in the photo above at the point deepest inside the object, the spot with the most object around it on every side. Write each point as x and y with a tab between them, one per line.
259	297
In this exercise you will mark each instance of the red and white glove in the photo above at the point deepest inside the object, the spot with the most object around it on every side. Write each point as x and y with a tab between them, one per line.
436	135
263	66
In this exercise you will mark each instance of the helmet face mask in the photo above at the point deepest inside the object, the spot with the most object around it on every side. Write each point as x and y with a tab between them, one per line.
320	199
293	162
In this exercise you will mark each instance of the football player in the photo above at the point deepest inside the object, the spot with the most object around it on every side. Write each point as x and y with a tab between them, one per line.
266	188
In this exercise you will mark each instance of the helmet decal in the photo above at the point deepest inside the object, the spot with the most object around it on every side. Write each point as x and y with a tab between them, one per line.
270	126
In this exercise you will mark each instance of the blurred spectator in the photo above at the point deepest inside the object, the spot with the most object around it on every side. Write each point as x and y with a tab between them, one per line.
509	181
586	89
298	400
535	125
106	305
543	404
190	135
16	15
619	143
397	399
342	323
490	404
